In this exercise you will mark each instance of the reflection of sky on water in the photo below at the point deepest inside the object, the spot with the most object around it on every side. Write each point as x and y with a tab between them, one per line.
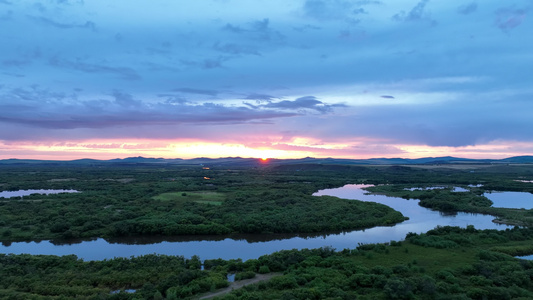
421	220
511	199
21	193
527	257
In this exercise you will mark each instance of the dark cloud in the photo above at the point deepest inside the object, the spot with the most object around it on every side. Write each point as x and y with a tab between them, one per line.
122	72
509	18
118	37
32	94
206	64
162	114
259	30
48	22
187	90
387	97
43	109
70	2
7	16
13	74
359	11
125	99
232	28
368	2
14	62
307	102
158	51
467	9
40	7
417	13
260	97
173	99
333	10
236	49
306	28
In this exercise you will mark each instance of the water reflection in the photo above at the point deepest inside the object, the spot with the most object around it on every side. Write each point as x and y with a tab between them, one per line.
247	246
511	199
527	257
22	193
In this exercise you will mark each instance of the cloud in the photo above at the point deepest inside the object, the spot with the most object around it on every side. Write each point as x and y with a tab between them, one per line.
7	16
125	99
236	49
110	114
509	18
417	13
387	96
335	10
260	97
122	72
205	92
71	2
259	30
15	62
307	102
306	28
48	22
368	2
13	74
467	9
206	64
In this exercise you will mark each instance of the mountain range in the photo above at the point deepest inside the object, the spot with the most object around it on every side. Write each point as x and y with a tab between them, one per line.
250	162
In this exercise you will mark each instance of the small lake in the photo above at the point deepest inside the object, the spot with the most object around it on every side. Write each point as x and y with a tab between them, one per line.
527	257
511	199
22	193
453	188
253	246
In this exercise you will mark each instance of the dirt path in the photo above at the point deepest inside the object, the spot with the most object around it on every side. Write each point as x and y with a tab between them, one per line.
239	284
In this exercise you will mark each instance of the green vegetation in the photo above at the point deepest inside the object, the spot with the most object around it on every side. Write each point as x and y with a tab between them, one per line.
444	263
123	200
212	198
472	201
168	200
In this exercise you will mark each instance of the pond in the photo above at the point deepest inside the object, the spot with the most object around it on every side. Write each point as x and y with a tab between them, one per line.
22	193
511	199
252	246
527	257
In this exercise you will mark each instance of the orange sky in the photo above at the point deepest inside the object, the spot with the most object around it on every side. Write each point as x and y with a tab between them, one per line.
298	148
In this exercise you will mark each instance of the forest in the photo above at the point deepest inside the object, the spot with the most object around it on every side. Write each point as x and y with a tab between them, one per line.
168	200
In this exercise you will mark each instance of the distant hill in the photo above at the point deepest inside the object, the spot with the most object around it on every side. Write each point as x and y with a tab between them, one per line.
253	162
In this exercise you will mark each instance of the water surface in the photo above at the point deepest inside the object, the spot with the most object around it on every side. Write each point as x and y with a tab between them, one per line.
511	199
22	193
252	246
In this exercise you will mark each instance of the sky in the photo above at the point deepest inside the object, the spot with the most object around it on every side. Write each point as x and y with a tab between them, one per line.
266	78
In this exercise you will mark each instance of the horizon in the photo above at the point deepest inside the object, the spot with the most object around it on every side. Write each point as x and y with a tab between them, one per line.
263	159
265	79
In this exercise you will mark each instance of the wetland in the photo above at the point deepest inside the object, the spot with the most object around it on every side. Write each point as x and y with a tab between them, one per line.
167	231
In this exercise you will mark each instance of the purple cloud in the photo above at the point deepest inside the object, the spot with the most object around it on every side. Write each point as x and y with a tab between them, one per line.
509	18
467	9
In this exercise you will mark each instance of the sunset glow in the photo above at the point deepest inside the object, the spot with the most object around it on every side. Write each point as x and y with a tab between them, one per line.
170	149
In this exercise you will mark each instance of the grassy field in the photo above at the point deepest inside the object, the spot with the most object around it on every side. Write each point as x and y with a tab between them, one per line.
211	198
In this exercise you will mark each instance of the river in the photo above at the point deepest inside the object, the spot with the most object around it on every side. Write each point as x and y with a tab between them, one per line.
252	246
